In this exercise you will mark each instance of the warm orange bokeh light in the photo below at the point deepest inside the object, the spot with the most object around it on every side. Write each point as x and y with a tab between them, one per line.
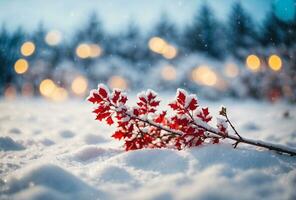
157	45
83	51
21	66
79	85
95	50
47	87
275	62
168	73
253	63
169	52
59	94
204	75
27	48
117	82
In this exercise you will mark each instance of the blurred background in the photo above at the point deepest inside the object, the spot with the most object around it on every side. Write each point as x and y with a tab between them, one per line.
59	50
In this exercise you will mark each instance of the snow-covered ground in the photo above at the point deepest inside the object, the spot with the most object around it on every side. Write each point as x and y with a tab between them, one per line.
57	151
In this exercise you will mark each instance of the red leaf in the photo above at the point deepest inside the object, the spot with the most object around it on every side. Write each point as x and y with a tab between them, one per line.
102	116
204	115
151	96
118	135
109	120
154	103
205	111
136	112
174	105
123	99
181	97
101	109
103	92
193	104
95	98
143	99
215	140
161	117
116	95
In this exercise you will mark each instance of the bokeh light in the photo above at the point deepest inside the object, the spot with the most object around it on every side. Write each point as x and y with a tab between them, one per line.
275	62
59	94
117	82
204	75
156	44
27	48
47	87
168	73
21	66
169	52
95	50
231	70
83	51
53	37
79	85
253	63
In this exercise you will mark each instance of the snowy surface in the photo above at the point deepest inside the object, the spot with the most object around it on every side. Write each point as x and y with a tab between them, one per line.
57	151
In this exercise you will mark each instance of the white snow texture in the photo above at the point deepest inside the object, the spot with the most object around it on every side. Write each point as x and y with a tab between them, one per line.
58	151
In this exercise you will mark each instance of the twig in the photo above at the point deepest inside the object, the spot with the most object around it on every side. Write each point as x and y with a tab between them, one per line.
237	138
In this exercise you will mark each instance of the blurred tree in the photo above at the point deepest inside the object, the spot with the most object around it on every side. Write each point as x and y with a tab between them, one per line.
93	33
241	32
201	35
9	53
131	45
271	34
166	29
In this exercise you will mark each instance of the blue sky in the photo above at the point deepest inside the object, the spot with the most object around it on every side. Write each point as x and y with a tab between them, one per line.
66	15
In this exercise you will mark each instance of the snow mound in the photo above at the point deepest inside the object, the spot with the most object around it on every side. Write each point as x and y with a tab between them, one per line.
91	152
48	182
115	174
15	131
67	134
94	139
164	161
241	158
8	144
47	142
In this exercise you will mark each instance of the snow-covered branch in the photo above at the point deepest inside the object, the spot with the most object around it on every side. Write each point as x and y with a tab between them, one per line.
142	126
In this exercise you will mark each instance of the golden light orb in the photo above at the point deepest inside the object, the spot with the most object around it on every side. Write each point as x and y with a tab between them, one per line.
169	52
253	63
231	70
204	75
275	62
83	51
47	87
95	50
157	44
117	82
53	37
28	48
168	73
59	94
21	66
79	85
